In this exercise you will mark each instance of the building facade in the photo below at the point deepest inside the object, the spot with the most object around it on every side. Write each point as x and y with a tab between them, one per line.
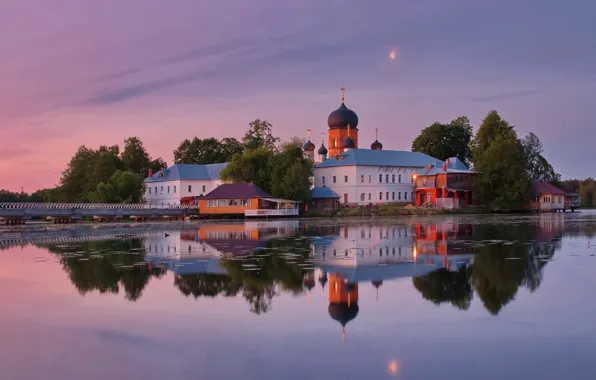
181	182
447	186
362	176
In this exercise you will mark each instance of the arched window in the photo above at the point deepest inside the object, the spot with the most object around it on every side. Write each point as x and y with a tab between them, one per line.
335	142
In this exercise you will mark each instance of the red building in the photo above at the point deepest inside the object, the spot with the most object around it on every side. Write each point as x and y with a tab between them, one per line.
449	186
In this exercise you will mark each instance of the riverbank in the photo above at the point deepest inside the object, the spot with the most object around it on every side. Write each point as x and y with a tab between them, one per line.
391	210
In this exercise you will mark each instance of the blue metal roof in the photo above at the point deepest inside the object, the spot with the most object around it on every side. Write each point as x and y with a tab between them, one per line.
323	192
188	172
456	164
368	157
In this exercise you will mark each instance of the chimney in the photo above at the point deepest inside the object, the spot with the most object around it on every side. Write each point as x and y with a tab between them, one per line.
444	167
150	173
447	162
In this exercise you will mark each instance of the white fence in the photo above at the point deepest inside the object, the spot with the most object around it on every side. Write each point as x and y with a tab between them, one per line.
273	212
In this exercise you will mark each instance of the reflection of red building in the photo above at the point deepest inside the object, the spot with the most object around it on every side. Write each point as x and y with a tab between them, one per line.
442	239
343	300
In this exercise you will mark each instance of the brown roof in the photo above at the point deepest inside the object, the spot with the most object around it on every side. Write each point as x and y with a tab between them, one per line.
543	187
237	190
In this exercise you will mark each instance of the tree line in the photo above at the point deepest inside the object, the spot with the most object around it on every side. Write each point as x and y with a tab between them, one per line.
505	164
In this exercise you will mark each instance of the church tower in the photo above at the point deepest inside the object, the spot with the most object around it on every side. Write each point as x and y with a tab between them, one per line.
343	129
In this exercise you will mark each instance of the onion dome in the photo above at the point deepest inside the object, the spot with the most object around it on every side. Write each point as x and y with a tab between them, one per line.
349	143
377	283
309	146
341	117
343	313
322	149
376	145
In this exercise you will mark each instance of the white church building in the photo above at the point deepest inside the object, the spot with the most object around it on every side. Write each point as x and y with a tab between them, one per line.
363	176
182	183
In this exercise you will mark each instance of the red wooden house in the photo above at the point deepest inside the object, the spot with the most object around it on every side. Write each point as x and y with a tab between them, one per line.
449	186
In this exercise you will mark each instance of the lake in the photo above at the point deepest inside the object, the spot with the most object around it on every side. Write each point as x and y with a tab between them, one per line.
451	297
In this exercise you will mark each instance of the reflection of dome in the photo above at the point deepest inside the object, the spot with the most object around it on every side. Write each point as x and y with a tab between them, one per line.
341	117
309	282
322	149
377	283
343	313
349	143
309	146
376	145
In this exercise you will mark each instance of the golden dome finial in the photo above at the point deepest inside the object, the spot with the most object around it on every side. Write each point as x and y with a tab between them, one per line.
308	130
343	91
376	133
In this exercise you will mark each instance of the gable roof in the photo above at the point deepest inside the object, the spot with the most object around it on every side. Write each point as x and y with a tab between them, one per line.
369	157
543	187
188	172
323	193
237	190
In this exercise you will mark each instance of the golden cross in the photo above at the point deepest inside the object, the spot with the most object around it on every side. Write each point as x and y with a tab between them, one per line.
377	133
308	133
343	90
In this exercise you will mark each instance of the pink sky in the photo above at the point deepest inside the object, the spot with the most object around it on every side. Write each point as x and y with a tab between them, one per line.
88	72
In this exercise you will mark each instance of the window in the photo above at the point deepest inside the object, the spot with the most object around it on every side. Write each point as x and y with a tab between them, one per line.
174	189
412	196
162	189
361	179
393	195
386	178
393	178
323	180
399	178
335	142
168	189
204	188
346	179
369	195
361	197
189	188
369	178
399	196
155	189
387	195
149	189
380	178
393	251
333	179
381	196
405	196
423	181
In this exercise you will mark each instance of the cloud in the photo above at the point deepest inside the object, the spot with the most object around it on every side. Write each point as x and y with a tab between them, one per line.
506	95
12	153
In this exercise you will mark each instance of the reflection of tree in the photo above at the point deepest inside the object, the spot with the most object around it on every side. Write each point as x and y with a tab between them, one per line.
106	266
499	269
443	286
206	285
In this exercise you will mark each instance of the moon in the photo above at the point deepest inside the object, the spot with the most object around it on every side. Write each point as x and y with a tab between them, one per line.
393	55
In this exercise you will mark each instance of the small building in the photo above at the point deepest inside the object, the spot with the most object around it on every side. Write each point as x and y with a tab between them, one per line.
573	201
449	186
547	197
182	183
245	199
324	199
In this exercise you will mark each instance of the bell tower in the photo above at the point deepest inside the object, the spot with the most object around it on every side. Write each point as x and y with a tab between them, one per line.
343	127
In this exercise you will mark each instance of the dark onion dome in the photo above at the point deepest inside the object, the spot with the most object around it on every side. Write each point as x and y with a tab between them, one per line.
349	143
343	313
322	149
309	146
341	117
376	145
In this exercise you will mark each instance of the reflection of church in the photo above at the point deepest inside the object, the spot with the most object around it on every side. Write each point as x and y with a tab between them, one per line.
355	254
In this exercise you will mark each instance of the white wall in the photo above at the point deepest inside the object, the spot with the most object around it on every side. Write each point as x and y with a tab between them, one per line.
163	192
365	180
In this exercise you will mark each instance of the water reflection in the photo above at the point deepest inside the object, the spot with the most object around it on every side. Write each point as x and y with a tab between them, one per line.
447	259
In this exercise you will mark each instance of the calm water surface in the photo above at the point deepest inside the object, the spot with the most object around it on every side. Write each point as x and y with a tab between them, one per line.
478	297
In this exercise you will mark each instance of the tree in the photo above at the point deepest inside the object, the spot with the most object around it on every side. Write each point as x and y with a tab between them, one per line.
538	168
443	141
291	173
74	183
122	187
136	159
492	126
207	151
252	166
259	135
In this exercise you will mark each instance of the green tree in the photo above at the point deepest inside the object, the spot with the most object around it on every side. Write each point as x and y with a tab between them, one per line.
75	181
443	141
207	151
260	135
291	173
442	286
502	183
538	167
136	159
252	166
121	187
492	126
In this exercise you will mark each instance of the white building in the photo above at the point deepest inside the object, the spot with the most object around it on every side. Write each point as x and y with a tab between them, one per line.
365	176
182	182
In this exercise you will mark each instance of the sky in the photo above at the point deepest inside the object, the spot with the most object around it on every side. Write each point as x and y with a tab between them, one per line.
87	72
